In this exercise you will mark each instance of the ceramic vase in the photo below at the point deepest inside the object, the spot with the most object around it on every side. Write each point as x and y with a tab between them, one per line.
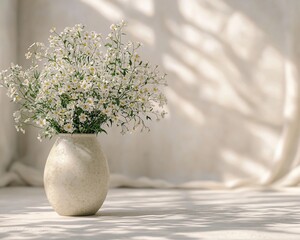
76	176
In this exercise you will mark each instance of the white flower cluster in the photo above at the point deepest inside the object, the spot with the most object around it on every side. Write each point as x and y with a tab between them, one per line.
82	83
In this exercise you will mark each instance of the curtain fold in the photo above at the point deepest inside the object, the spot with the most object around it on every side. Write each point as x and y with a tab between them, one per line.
8	53
286	168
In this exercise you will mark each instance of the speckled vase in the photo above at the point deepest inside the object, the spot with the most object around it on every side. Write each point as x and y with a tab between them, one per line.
76	175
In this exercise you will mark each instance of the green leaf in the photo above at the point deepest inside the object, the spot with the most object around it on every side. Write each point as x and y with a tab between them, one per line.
102	130
36	74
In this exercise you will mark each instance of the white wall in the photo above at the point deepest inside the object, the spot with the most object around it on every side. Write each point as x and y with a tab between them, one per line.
225	61
8	54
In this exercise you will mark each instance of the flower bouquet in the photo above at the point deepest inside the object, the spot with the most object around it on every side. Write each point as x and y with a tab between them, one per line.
82	83
77	85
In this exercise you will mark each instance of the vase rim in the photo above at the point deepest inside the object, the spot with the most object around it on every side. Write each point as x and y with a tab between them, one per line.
77	134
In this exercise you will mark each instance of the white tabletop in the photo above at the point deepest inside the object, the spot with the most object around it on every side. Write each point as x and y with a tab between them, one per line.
157	214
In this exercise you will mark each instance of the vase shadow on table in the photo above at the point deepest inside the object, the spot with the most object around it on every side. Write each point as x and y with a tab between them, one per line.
133	213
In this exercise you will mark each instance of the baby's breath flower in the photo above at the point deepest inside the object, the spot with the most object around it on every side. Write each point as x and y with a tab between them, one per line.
80	83
26	82
41	122
69	128
17	116
52	30
82	118
28	55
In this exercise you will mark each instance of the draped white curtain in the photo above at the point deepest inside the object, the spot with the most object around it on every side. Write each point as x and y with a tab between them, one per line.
233	71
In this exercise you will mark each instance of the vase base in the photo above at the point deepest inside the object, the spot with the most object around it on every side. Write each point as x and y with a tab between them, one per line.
78	215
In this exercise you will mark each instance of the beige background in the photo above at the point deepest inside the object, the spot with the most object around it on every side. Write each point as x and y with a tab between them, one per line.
233	89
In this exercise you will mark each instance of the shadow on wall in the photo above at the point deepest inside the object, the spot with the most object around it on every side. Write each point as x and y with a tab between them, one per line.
224	61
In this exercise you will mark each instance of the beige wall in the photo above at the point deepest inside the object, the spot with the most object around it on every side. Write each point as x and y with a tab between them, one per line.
8	54
226	69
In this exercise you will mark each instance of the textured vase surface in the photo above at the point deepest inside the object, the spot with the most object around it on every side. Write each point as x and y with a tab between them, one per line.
76	175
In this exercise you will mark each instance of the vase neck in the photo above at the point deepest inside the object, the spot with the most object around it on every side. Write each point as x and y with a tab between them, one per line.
64	135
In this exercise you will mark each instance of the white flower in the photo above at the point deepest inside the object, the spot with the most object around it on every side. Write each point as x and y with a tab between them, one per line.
90	102
68	87
81	71
87	107
69	127
85	85
17	128
71	106
113	27
26	82
82	118
20	129
41	122
28	55
40	137
17	116
52	30
61	91
16	98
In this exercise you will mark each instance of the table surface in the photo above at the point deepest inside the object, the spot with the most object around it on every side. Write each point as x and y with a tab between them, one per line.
157	214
